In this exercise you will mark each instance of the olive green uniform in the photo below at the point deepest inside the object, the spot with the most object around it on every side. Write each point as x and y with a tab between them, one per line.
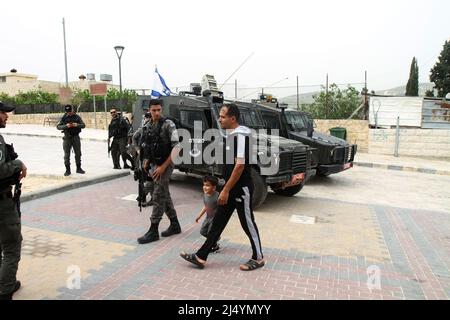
118	130
162	200
10	224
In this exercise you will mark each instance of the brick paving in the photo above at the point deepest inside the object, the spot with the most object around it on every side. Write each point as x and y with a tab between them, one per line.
413	256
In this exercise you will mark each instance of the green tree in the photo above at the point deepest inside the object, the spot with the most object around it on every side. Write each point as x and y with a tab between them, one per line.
35	97
338	104
412	87
440	73
80	97
429	93
4	97
129	97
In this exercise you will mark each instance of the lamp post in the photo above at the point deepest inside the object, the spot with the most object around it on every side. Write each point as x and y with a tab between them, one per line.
119	51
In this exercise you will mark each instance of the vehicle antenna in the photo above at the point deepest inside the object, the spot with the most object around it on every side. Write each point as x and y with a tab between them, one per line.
237	69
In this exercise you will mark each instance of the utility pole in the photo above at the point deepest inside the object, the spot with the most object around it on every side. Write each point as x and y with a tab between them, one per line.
366	102
326	99
65	52
298	97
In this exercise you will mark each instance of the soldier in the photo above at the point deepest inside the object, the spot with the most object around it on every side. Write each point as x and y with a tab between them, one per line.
161	140
118	130
71	125
12	170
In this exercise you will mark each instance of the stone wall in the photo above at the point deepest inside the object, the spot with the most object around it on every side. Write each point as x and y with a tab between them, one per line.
357	131
88	118
412	142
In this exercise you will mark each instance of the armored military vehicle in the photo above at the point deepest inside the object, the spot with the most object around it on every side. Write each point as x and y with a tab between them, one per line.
189	109
330	154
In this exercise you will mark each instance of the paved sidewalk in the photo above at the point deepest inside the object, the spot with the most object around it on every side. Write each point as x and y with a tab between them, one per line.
35	130
353	251
40	148
412	164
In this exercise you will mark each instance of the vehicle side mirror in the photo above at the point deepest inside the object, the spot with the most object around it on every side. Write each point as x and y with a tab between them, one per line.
310	129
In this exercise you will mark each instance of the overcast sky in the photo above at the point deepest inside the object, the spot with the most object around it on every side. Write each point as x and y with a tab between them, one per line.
187	39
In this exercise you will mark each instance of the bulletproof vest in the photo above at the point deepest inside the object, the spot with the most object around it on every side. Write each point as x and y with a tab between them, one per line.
157	150
118	128
10	156
73	118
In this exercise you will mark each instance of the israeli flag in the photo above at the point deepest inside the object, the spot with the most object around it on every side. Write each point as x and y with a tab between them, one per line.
159	86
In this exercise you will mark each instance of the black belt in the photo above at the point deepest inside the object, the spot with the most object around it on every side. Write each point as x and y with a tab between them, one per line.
6	195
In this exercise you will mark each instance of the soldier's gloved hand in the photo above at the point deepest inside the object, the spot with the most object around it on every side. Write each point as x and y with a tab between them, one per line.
75	124
23	172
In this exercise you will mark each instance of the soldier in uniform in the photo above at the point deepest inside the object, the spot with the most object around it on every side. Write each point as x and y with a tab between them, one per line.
118	130
71	125
161	140
12	170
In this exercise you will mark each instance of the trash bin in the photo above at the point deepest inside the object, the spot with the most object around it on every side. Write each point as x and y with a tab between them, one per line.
339	132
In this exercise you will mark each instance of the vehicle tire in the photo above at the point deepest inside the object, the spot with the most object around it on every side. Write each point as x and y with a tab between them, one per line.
289	192
259	189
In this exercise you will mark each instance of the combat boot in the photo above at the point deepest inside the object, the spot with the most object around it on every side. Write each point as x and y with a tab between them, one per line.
174	228
151	235
79	170
8	296
67	173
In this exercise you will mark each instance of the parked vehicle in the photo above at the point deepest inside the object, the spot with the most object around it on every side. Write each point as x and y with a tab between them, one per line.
330	154
293	158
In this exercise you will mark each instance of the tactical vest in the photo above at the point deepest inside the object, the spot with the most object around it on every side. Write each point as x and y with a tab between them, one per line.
118	128
68	119
10	156
155	149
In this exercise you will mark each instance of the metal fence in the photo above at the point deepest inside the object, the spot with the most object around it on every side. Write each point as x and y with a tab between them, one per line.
436	114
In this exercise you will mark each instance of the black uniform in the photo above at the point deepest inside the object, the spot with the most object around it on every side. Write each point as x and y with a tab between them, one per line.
118	130
71	139
240	197
10	223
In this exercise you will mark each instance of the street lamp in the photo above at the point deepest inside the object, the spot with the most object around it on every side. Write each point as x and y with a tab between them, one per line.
119	51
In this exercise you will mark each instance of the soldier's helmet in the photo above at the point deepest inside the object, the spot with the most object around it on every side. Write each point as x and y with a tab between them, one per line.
5	107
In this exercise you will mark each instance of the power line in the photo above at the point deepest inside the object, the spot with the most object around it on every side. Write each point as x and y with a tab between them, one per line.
237	69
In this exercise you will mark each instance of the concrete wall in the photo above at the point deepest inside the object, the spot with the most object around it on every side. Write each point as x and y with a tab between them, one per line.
412	142
357	131
88	118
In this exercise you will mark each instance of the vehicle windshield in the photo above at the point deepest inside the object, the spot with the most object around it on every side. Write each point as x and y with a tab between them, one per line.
296	120
250	118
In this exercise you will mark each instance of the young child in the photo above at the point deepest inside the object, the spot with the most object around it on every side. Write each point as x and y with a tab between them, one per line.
210	196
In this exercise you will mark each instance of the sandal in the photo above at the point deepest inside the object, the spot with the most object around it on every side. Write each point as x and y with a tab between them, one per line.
192	258
252	265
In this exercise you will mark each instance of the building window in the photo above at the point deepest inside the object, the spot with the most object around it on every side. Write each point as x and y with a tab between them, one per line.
2	79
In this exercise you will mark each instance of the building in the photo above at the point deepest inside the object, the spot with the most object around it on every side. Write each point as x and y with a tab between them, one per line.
13	82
